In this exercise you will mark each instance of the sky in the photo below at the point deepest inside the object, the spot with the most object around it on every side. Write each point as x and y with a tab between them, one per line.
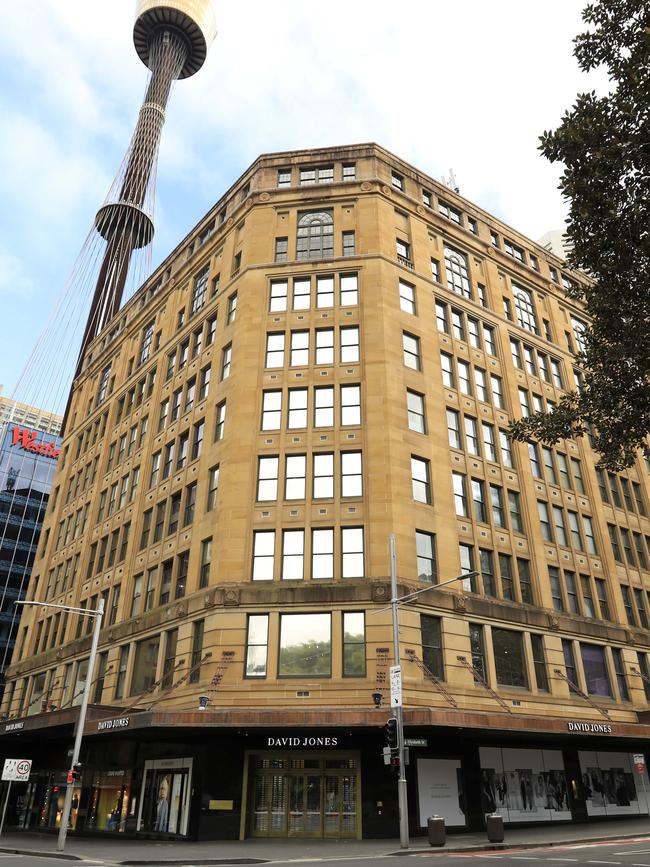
468	86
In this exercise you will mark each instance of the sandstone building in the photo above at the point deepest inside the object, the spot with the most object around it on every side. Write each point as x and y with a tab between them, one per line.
332	355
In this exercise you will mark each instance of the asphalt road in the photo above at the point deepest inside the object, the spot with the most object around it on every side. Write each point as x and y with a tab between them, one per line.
622	853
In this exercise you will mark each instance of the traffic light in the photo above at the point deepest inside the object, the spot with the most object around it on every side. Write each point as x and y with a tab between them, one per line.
76	772
391	733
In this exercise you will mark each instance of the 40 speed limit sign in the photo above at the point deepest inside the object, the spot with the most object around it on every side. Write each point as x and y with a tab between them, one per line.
16	770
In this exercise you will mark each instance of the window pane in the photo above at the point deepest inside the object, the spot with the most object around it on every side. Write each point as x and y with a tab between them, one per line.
305	645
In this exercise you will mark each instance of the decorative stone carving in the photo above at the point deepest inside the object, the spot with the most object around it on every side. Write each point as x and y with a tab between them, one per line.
553	621
265	197
231	598
366	186
386	190
460	603
380	593
420	210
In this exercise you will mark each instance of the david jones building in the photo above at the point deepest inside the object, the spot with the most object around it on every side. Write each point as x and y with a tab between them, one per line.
331	356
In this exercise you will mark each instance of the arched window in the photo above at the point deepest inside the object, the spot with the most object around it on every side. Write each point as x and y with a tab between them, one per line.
457	272
315	235
525	308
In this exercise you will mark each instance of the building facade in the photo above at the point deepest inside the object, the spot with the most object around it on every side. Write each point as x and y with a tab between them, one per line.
333	355
29	447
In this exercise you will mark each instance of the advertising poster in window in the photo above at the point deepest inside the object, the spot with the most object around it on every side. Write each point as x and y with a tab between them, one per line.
524	785
610	785
440	791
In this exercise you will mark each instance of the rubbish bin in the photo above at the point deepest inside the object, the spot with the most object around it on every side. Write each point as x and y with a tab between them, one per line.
494	825
436	831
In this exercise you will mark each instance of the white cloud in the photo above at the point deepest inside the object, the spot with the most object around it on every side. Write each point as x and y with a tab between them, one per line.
468	85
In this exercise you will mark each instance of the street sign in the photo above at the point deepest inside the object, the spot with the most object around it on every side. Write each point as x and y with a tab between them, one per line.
396	686
639	762
16	770
416	742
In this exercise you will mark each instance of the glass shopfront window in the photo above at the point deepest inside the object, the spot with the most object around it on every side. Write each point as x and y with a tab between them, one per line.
109	800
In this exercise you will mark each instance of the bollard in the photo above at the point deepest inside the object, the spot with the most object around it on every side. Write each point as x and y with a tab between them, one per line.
436	831
494	825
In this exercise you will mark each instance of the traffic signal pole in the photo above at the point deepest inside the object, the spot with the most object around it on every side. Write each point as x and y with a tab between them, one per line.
81	722
402	795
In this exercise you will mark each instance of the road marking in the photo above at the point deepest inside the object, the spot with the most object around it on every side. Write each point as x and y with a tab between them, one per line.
604	862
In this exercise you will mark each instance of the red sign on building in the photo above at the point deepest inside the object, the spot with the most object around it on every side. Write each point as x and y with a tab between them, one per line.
28	440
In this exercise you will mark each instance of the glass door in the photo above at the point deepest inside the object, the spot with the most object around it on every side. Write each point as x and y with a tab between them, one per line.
165	794
270	804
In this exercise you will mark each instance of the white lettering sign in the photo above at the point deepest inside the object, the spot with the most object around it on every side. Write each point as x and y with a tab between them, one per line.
17	770
591	728
119	723
302	742
396	686
14	727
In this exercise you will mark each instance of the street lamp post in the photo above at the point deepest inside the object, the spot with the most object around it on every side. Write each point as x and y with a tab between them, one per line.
402	795
98	615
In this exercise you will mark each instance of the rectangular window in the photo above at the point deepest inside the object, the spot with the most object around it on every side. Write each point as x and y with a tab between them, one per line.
407	297
460	494
464	379
284	177
558	520
198	629
174	513
267	479
299	349
449	212
431	634
294	477
478	500
506	449
257	645
457	324
293	555
471	436
509	658
322	554
539	662
281	249
263	555
497	391
145	665
349	337
351	474
302	293
354	644
213	488
323	476
324	406
350	404
352	554
349	171
420	480
426	556
447	369
415	411
297	408
601	592
349	244
411	347
514	508
481	388
619	670
324	345
572	592
226	361
613	538
120	680
169	659
278	296
271	410
220	421
190	504
453	428
587	596
305	645
594	664
324	291
489	447
349	290
206	562
556	588
397	181
542	510
477	646
498	512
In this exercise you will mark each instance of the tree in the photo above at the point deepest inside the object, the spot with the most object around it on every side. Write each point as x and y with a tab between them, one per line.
604	144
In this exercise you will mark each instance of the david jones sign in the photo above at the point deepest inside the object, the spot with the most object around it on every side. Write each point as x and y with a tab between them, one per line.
305	741
592	728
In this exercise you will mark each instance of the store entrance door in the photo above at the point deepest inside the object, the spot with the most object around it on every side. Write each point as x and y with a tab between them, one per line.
305	796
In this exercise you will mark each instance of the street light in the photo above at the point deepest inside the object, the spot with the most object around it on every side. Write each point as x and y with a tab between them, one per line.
402	797
98	616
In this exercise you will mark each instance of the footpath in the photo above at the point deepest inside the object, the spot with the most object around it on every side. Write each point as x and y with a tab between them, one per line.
262	851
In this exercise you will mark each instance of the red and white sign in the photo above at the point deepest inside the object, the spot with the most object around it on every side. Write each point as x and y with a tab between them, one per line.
639	763
16	770
28	440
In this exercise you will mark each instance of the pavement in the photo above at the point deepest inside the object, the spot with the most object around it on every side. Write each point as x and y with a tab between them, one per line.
116	851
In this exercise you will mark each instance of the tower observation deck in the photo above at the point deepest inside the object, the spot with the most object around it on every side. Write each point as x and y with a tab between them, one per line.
172	38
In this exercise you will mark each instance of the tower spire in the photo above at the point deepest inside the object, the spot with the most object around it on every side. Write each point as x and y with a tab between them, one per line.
171	38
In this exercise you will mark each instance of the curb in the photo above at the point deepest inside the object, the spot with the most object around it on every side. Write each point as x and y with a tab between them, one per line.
498	847
36	854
